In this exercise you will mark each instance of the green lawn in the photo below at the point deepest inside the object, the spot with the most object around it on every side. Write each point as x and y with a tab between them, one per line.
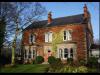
29	68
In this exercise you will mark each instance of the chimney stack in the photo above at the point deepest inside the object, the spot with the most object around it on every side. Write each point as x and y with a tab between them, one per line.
49	17
85	11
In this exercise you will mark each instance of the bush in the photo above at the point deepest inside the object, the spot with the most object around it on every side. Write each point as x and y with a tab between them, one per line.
82	69
34	62
39	59
92	62
70	69
58	60
82	62
51	59
70	61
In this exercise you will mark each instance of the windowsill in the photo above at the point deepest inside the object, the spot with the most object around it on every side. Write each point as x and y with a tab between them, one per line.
32	43
48	42
67	40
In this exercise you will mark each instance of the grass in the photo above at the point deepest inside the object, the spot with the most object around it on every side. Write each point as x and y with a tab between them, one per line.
32	68
29	68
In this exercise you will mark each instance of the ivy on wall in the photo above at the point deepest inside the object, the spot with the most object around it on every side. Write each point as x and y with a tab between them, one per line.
57	38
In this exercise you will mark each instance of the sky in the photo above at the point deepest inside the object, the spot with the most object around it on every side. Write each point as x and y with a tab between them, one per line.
61	9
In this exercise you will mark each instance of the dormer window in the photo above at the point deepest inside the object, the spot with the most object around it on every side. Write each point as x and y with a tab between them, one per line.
67	35
48	37
32	38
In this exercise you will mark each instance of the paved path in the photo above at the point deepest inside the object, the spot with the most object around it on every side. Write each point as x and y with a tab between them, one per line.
45	63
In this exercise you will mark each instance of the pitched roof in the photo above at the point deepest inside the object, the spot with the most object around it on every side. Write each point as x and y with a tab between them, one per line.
57	21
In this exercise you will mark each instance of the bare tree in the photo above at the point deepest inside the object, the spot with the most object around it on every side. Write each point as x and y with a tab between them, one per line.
21	14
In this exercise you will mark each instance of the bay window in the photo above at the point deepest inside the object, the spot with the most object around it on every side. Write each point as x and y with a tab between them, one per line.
71	53
65	53
60	53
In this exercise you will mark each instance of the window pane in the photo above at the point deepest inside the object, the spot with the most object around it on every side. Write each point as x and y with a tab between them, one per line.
65	53
64	35
71	50
65	50
33	53
30	38
69	35
34	38
29	54
60	53
50	36
46	37
71	53
64	32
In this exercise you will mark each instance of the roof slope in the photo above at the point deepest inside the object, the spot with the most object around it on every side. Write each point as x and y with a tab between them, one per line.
57	22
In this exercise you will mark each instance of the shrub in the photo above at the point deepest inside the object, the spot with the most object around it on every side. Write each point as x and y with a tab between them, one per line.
92	61
82	69
70	69
51	59
70	61
58	63
58	60
39	59
82	62
34	61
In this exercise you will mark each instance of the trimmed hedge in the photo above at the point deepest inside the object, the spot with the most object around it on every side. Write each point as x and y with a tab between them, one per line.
51	59
39	59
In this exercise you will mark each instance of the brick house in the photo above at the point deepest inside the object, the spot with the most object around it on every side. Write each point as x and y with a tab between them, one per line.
63	37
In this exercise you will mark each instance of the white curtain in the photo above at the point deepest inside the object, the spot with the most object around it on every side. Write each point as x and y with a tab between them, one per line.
50	36
46	37
69	35
33	38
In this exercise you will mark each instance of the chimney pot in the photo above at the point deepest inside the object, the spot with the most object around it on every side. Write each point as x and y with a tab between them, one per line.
85	11
49	17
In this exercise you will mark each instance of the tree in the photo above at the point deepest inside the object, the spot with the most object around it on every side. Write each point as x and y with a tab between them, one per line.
17	18
5	17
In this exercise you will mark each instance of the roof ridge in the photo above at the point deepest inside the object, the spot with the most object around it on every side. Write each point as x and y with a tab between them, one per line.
62	17
78	18
68	16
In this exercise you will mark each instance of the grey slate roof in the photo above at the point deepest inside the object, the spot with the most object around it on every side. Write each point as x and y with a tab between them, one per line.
57	21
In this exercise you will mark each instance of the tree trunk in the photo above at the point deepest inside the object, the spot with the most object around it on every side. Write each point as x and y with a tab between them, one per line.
13	56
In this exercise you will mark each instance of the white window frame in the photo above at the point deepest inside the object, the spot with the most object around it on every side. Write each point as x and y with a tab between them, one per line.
60	53
33	39
67	35
34	53
48	36
68	52
71	53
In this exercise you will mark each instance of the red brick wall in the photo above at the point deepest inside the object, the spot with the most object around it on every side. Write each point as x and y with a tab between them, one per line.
77	35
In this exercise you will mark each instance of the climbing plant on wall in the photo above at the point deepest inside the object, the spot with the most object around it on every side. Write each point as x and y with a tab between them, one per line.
57	38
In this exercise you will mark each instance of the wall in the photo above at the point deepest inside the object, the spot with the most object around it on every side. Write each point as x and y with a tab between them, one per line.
78	36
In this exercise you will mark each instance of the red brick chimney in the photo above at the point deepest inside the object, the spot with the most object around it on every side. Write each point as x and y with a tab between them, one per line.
85	11
49	17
